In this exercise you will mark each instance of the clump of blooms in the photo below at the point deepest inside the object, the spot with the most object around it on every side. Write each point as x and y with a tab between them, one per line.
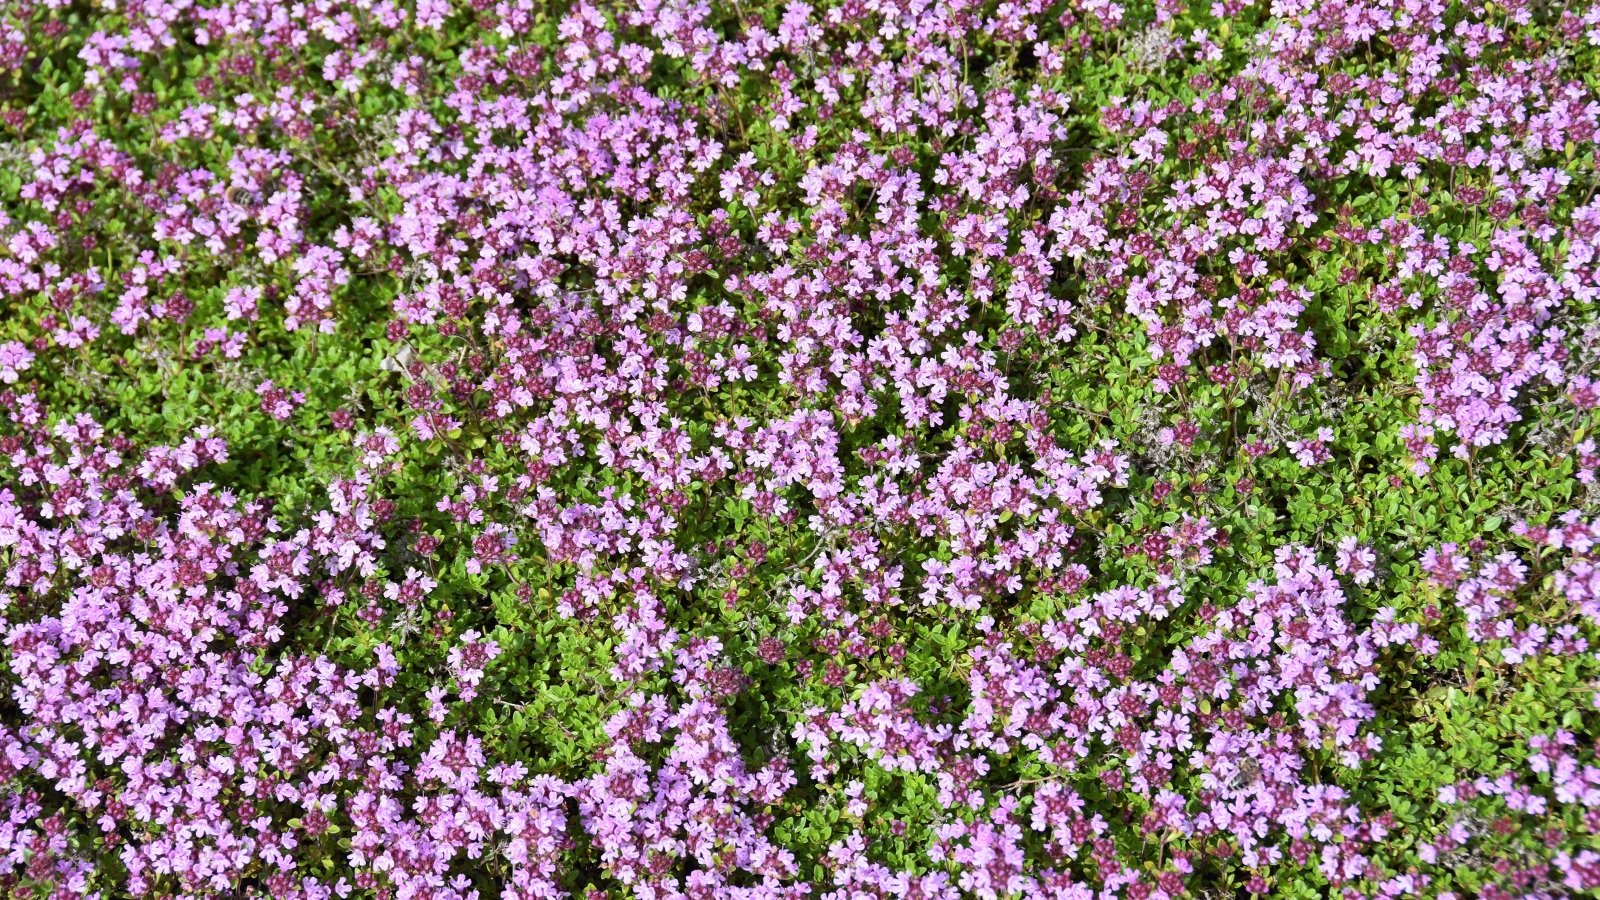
779	449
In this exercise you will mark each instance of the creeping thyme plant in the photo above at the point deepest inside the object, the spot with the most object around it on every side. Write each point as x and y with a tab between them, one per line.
835	449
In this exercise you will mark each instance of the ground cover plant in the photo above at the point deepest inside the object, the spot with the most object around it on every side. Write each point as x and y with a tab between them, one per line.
844	449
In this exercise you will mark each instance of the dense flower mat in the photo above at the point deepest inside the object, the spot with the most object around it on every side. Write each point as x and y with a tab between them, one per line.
843	449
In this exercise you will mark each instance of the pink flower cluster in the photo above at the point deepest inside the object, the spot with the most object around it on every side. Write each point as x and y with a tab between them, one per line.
803	449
